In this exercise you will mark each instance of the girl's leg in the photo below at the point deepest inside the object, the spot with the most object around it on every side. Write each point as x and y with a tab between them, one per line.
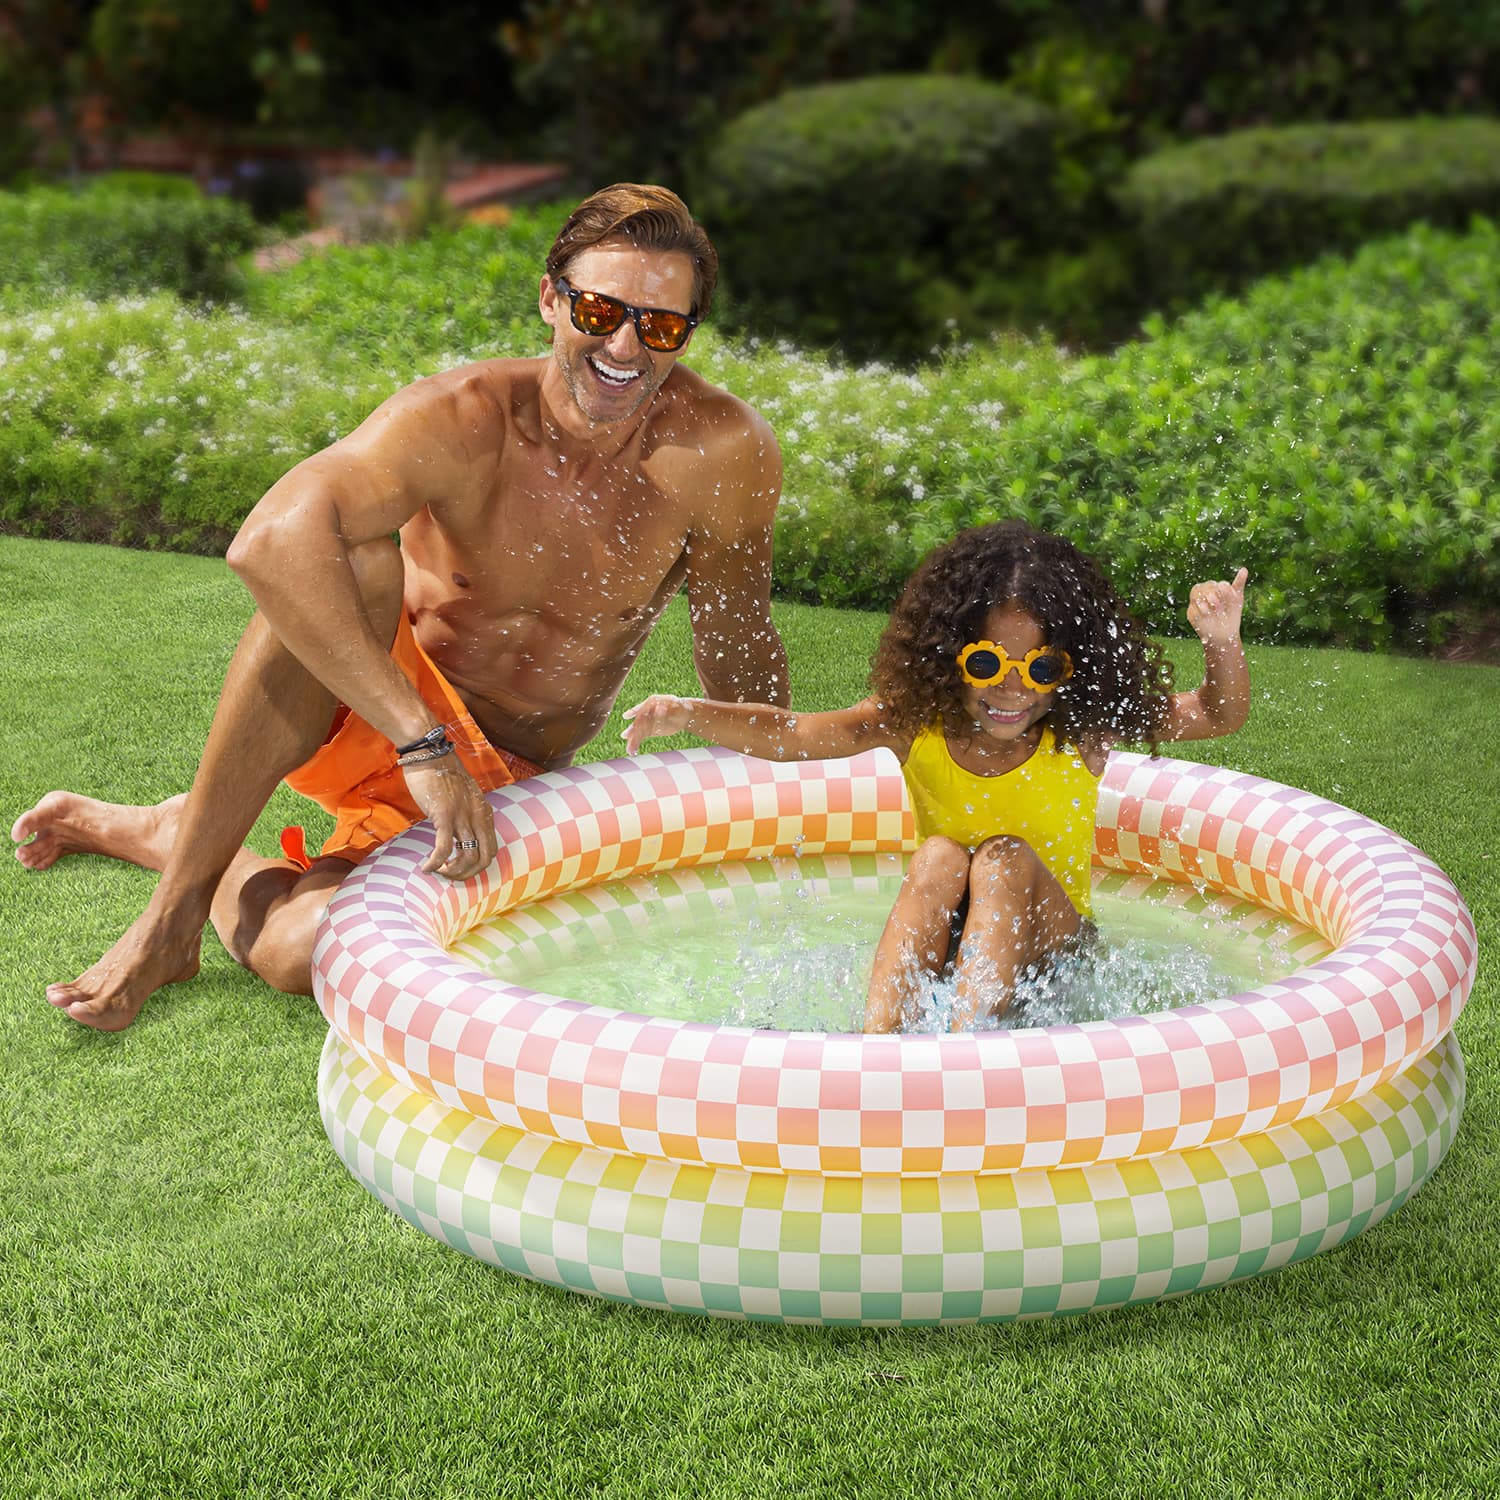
915	940
1018	914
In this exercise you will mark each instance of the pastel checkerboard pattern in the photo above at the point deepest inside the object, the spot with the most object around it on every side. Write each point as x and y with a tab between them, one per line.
801	1248
848	1105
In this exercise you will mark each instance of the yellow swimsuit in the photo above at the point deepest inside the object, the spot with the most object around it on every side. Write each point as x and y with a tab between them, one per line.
1049	800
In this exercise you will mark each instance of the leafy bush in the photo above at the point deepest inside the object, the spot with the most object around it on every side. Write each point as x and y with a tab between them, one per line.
843	211
142	422
1337	430
874	457
102	242
437	301
1214	214
130	184
138	421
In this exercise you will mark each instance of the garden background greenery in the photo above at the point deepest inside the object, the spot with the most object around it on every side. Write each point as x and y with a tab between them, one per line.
1195	286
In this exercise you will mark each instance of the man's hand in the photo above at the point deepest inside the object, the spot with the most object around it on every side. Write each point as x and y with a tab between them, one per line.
464	828
657	715
1214	609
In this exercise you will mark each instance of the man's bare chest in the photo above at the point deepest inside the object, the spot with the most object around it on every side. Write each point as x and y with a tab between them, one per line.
547	540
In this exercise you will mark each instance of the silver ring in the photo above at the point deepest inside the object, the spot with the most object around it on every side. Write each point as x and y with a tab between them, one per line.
468	843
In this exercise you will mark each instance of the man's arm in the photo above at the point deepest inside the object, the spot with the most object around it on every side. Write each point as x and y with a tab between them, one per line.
296	550
299	553
736	648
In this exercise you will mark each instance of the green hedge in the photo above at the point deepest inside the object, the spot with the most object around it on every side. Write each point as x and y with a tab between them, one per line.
1337	430
1217	213
451	296
142	422
112	239
149	185
847	212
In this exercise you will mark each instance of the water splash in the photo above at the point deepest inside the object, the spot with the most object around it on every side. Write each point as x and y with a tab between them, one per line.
788	944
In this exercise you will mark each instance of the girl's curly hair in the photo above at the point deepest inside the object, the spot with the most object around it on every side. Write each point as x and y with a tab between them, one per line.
1120	683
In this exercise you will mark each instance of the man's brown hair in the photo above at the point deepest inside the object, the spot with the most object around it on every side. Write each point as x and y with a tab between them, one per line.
650	218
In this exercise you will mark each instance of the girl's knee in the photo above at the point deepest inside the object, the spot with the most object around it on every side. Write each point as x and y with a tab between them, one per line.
1006	860
941	852
940	863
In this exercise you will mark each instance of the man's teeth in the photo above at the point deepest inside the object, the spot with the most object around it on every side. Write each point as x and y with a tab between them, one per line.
613	376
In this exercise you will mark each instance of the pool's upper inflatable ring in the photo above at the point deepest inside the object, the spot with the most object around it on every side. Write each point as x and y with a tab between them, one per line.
917	1106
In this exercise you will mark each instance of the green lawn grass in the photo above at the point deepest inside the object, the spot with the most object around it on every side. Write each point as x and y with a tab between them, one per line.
198	1300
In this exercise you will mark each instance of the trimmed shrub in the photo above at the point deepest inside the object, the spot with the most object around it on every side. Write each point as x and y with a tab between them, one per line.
435	301
105	241
130	184
143	422
1213	215
1337	430
842	211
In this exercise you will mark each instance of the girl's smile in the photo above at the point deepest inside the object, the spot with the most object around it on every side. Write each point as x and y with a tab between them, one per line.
1007	709
1000	882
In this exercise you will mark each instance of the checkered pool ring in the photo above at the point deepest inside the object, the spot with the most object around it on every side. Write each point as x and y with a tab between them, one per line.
796	1247
783	1110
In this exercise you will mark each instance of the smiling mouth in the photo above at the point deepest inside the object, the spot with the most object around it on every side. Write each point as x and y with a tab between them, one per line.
619	379
1003	716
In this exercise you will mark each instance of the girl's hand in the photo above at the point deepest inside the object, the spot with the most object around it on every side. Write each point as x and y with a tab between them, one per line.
1214	609
657	715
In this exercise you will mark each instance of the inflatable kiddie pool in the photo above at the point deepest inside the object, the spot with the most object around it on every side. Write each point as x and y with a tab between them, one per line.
843	1178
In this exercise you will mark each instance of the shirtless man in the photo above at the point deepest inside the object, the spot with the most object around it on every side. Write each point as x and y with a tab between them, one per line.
548	509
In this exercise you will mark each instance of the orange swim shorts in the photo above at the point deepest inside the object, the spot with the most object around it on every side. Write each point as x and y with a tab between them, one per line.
355	777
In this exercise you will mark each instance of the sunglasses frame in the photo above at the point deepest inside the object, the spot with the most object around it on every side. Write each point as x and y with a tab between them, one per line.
1007	663
635	314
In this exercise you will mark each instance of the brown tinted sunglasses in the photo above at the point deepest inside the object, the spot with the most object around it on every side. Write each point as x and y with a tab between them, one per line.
598	316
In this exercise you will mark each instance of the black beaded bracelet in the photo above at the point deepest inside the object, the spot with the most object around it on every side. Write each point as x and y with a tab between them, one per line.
435	739
421	757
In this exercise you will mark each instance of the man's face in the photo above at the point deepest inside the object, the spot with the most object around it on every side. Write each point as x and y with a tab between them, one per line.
612	378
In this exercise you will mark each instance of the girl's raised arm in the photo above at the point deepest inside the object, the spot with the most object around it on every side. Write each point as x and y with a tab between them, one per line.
759	728
1221	702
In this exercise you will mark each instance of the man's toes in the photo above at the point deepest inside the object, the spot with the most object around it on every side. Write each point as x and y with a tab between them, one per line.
65	995
101	1013
87	1013
39	854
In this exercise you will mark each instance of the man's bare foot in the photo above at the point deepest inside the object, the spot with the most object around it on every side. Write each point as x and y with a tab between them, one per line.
68	823
109	995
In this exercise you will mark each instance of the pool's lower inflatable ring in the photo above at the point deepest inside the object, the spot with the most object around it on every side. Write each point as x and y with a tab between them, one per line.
795	1247
912	1178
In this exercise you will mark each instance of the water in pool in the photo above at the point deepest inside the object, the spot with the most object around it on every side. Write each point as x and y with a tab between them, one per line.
787	943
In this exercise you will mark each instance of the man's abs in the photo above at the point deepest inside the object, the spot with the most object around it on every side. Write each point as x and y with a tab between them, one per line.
539	685
535	598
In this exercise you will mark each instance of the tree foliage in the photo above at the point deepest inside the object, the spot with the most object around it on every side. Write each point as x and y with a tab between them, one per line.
635	87
43	63
638	87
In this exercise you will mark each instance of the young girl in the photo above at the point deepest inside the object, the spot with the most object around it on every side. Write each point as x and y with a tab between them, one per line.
1008	669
